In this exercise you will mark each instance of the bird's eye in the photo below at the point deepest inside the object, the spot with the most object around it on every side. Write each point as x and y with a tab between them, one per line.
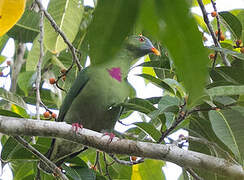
141	39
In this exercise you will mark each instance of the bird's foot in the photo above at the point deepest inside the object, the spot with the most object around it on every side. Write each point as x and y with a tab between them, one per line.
111	136
76	126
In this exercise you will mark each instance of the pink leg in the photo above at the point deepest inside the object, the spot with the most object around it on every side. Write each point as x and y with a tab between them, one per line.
76	126
111	136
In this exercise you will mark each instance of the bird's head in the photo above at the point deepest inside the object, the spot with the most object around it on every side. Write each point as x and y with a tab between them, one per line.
139	46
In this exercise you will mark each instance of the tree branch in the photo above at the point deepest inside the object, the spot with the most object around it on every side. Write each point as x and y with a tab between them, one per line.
172	153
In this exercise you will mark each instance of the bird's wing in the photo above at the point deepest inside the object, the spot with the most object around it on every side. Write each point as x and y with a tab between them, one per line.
76	88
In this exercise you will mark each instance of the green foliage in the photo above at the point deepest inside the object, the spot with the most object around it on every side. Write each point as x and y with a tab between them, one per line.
215	95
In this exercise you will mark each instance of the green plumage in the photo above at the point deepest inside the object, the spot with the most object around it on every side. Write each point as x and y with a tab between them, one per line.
91	98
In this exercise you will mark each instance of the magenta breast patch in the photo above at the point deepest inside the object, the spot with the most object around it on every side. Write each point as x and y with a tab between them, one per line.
115	73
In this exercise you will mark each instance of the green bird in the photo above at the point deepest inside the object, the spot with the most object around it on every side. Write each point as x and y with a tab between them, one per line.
91	99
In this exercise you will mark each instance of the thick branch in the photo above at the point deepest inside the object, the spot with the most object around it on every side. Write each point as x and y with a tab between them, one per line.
184	158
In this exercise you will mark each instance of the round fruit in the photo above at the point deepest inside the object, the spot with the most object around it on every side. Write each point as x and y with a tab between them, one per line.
242	50
222	37
214	14
133	158
211	56
216	33
63	71
8	63
64	77
54	115
46	114
52	81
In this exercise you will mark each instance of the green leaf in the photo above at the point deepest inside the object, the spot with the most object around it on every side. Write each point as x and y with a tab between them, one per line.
149	129
232	23
158	82
2	59
3	41
19	110
113	21
27	28
205	2
185	47
26	80
149	169
9	113
67	14
228	126
226	91
229	52
12	98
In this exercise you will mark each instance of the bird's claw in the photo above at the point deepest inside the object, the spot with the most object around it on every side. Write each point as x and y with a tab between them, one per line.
76	126
111	136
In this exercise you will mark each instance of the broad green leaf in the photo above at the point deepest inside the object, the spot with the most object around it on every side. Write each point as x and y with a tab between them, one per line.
148	17
148	70
184	46
149	169
12	98
200	22
10	12
76	172
149	129
26	80
8	148
67	14
225	91
158	82
232	23
228	126
9	113
25	169
19	110
113	20
2	59
27	28
229	52
3	41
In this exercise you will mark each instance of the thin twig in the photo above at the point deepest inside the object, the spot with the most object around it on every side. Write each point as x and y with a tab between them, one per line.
97	163
106	166
50	164
193	174
210	28
127	163
61	33
39	67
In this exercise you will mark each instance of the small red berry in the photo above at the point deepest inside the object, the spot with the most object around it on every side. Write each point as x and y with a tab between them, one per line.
64	77
52	81
8	63
54	115
46	114
133	158
242	50
216	33
214	14
63	71
222	37
211	56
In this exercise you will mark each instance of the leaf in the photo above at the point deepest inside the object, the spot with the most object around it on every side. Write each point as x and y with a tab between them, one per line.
229	52
3	41
12	98
19	110
184	47
232	23
2	59
205	2
149	169
227	125
10	12
9	113
157	82
67	15
149	129
25	81
27	28
226	91
113	20
148	70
